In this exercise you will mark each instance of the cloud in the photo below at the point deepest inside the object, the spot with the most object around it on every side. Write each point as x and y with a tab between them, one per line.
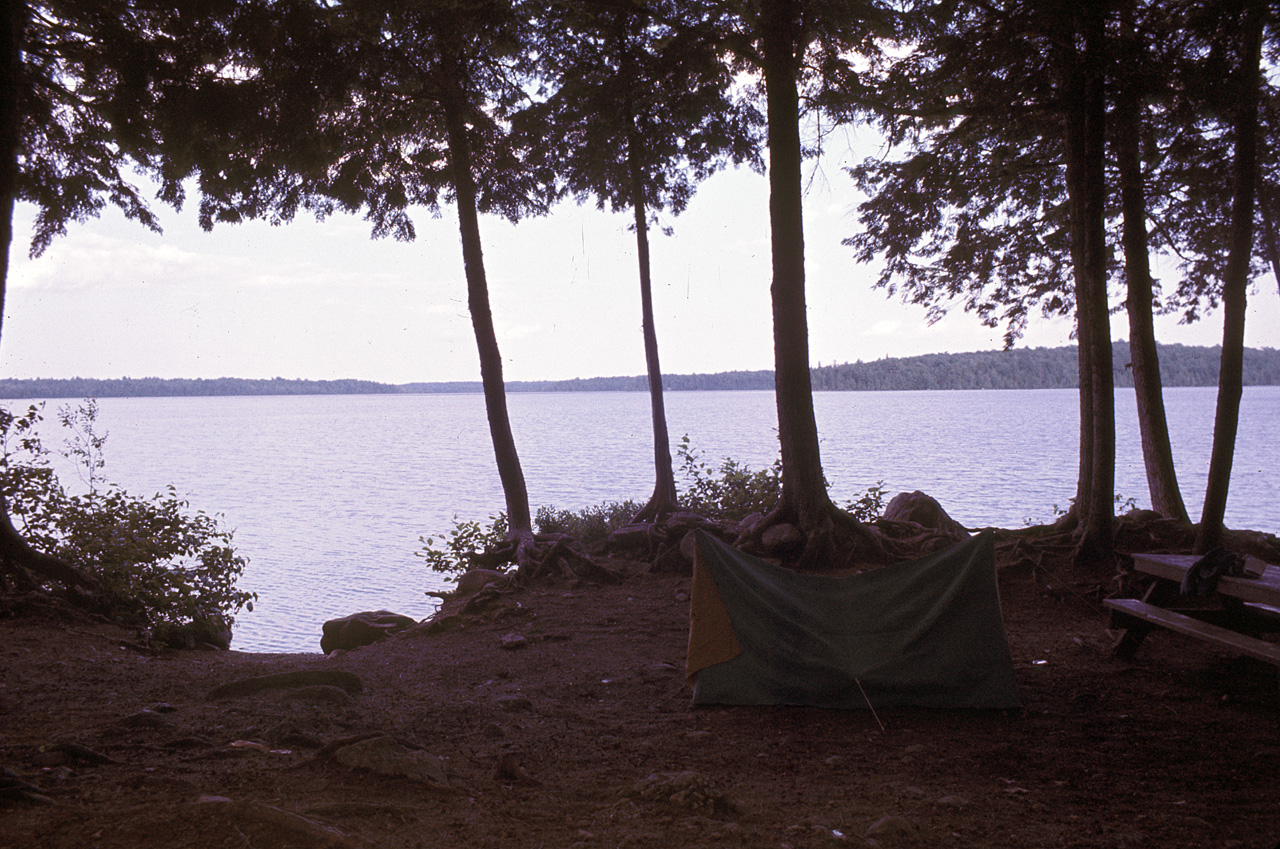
886	327
96	261
108	263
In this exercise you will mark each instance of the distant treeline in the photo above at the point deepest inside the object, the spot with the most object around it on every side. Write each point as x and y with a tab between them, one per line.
1039	368
153	387
1023	368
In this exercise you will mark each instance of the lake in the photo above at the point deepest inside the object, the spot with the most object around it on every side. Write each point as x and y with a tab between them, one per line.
328	495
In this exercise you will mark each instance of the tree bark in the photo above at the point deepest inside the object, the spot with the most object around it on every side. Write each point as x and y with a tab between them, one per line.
833	537
1153	427
663	500
804	491
1084	366
1235	281
1085	136
519	520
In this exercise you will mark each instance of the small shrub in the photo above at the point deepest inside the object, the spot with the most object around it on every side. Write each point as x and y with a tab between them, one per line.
732	491
588	525
462	544
161	566
454	553
728	492
869	505
1123	504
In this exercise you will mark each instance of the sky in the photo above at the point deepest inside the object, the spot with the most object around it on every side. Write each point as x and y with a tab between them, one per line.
324	301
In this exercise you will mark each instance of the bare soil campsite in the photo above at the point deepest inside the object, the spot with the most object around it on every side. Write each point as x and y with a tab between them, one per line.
558	715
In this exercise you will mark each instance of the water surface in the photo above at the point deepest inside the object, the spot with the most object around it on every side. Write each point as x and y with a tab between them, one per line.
328	495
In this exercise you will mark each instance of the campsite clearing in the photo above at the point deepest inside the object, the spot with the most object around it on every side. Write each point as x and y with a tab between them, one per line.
583	734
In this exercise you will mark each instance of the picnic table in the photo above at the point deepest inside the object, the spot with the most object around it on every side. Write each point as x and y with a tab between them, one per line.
1241	609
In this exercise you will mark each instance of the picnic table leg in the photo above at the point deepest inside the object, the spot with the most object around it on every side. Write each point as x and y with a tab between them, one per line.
1133	631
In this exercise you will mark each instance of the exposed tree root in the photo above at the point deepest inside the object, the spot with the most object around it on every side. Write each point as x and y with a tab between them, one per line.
834	541
563	556
1052	550
840	543
17	556
543	556
655	510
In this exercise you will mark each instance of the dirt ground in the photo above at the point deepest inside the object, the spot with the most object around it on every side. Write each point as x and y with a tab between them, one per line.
582	734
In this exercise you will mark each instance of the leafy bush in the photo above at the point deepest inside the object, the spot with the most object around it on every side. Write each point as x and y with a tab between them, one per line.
161	566
588	525
869	505
457	550
728	492
463	543
732	491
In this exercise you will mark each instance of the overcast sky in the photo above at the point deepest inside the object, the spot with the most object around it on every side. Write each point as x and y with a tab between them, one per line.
324	301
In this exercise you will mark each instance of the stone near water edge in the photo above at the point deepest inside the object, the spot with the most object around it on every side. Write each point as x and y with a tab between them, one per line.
362	629
689	546
203	633
475	580
923	510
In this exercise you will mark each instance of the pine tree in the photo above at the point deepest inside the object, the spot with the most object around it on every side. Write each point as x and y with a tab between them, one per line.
639	111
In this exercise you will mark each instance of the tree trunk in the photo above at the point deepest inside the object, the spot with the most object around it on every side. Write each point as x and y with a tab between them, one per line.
1235	281
833	537
804	491
15	553
1085	136
1084	366
1153	427
663	500
519	521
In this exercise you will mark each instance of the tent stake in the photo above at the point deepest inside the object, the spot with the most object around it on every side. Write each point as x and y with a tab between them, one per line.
868	701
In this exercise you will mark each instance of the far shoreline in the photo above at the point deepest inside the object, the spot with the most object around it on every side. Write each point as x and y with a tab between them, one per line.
1017	369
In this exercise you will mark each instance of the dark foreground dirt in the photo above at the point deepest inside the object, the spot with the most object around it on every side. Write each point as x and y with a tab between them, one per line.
584	736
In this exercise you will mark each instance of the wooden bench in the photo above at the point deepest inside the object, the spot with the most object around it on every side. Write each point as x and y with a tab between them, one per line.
1137	610
1242	603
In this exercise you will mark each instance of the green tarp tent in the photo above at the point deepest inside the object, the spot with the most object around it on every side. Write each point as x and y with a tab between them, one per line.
925	633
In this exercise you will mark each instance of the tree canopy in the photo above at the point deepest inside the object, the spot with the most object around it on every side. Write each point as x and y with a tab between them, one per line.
1027	143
